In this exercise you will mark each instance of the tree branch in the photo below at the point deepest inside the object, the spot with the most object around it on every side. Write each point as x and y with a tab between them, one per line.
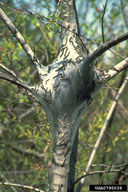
14	79
27	112
107	75
22	186
104	47
102	131
21	40
76	17
78	28
3	177
10	72
106	123
117	54
103	21
99	172
109	166
15	82
27	152
124	13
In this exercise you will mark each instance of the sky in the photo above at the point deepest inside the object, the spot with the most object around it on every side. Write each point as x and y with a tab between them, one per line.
81	9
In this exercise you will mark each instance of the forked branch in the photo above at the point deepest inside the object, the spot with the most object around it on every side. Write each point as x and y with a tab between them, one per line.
10	72
19	83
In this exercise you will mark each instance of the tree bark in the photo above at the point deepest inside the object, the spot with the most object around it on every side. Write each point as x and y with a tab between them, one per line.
72	163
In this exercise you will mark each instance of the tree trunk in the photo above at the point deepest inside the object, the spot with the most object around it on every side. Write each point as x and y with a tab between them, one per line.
63	167
65	94
63	140
60	168
63	163
72	163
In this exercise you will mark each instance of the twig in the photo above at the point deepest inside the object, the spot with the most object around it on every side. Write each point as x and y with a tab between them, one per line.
18	172
102	132
103	21
108	166
123	110
115	53
27	112
78	27
9	110
3	177
15	82
29	89
124	14
99	172
104	47
14	79
21	40
22	186
10	72
14	10
27	152
76	16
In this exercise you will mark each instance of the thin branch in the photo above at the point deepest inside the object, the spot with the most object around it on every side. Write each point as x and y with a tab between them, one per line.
108	166
3	177
27	152
119	55
78	28
120	176
22	186
21	40
15	82
114	71
124	13
99	172
103	21
27	112
14	79
18	172
76	17
14	10
122	109
104	47
103	131
10	72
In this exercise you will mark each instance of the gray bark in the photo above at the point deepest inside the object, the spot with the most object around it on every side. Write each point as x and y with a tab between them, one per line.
72	163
